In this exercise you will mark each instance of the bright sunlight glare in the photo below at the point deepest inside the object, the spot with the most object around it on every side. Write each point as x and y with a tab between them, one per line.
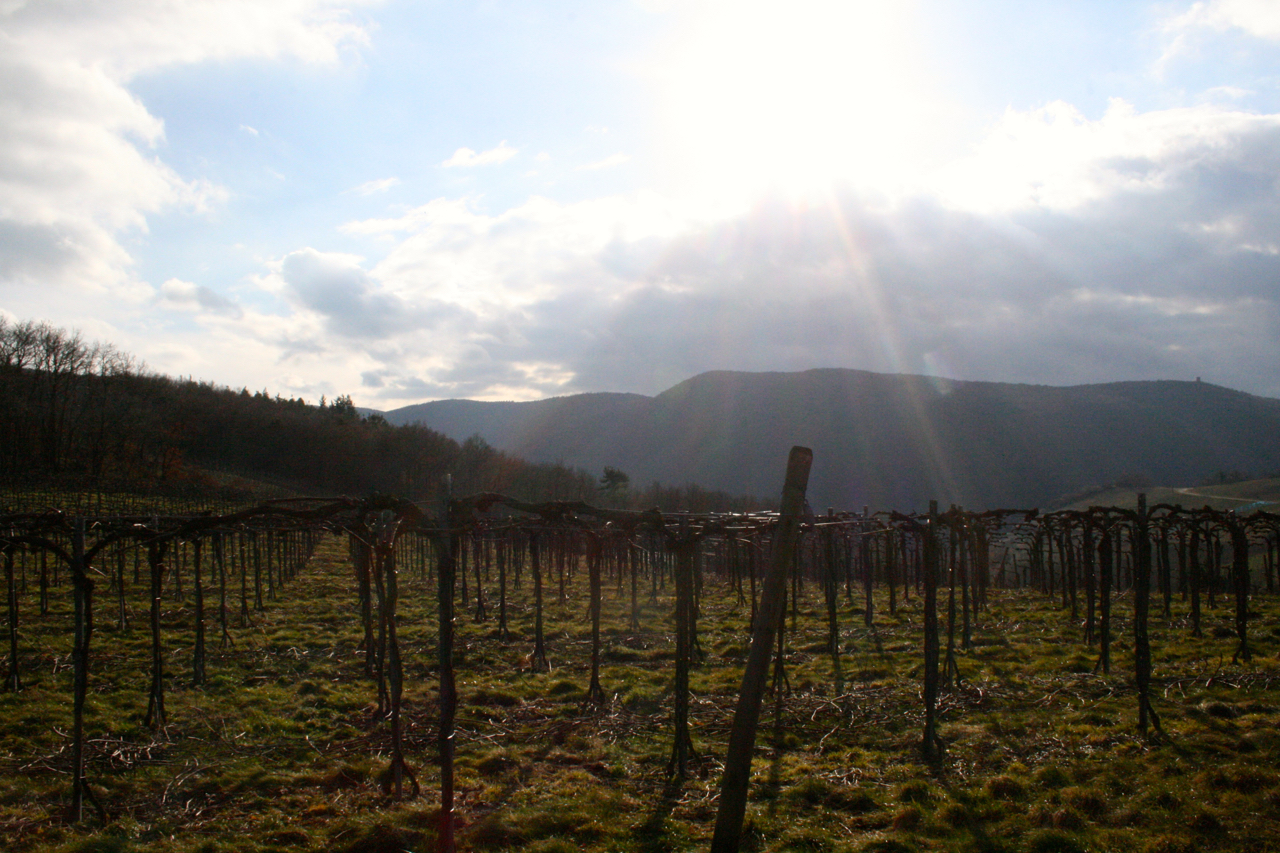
794	96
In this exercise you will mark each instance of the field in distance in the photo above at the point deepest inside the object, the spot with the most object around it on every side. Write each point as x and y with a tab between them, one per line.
1245	496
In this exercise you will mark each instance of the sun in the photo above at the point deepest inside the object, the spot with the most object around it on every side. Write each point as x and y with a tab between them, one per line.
793	96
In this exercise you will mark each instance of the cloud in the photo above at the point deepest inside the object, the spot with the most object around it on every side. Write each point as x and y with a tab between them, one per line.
81	169
378	186
466	158
607	163
188	296
1137	245
351	304
1054	158
1260	18
129	37
1188	34
1061	248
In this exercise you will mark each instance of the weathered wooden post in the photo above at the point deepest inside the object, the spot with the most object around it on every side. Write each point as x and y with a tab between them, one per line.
1196	578
930	744
1106	565
12	679
746	717
868	576
633	553
1089	560
82	589
446	571
198	655
362	562
480	560
951	666
682	749
155	699
538	661
384	548
1141	604
122	611
501	546
219	557
595	693
831	591
1240	582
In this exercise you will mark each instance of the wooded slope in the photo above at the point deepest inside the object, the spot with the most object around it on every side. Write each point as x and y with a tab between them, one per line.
888	440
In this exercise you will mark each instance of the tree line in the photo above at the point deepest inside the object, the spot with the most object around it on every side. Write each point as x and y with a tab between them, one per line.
87	414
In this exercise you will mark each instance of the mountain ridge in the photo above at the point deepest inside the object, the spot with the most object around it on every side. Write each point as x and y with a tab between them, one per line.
886	440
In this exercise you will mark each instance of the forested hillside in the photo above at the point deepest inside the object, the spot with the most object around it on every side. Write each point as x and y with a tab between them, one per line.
77	412
892	440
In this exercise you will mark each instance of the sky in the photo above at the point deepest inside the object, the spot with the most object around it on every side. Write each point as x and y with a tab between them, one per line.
510	200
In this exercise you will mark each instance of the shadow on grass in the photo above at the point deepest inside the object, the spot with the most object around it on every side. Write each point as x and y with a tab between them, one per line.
652	835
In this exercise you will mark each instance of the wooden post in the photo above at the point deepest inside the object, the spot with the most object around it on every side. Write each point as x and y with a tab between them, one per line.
1196	579
682	749
1106	557
446	571
501	546
931	744
385	556
82	588
219	557
155	699
1240	581
868	577
122	612
595	694
198	656
12	680
1089	561
1141	603
362	560
538	661
746	718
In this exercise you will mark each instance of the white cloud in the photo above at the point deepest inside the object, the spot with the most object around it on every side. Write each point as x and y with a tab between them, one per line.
345	300
188	296
1054	158
80	162
1060	247
378	186
465	157
607	163
1186	32
1137	244
128	37
1259	18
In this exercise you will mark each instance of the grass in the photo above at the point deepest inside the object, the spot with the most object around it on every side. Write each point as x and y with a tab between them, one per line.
1248	495
282	748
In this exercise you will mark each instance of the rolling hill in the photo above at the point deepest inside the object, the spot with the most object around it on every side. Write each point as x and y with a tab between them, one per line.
887	440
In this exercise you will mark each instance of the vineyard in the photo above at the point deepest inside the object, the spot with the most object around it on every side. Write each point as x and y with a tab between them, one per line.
485	673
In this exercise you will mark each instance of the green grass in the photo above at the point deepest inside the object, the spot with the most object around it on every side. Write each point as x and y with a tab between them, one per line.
1261	494
282	749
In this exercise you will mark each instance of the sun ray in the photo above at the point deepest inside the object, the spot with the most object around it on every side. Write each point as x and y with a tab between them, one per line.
790	97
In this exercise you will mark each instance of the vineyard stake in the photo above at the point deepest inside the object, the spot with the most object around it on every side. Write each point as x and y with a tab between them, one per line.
746	718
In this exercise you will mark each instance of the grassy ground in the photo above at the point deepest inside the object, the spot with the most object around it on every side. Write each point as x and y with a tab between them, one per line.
1245	496
282	750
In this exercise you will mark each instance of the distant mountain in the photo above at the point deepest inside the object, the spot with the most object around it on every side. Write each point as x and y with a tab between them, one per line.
887	440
